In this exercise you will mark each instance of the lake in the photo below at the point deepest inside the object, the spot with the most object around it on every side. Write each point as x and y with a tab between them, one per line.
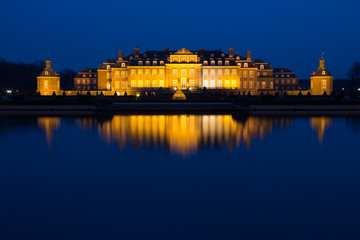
180	177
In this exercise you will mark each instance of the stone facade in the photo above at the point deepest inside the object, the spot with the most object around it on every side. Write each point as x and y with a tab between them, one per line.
321	80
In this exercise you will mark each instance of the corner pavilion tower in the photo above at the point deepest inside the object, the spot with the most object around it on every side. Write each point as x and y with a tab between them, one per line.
49	81
321	80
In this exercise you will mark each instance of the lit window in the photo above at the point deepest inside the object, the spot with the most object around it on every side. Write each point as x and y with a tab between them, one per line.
226	63
251	85
205	83
162	63
227	84
147	83
265	73
94	81
147	73
205	72
246	65
147	63
123	65
220	63
212	72
261	67
140	72
83	75
117	84
227	73
192	83
192	72
263	85
183	59
219	72
323	84
108	67
183	72
84	81
192	59
212	63
205	63
108	75
245	84
234	72
140	63
161	72
233	84
117	74
154	83
123	74
154	73
323	73
140	83
133	73
133	84
294	81
175	72
88	81
219	84
245	74
161	83
251	74
154	63
123	84
46	84
78	81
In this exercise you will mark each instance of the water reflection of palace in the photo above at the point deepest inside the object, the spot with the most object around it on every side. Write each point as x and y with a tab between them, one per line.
182	134
49	124
320	124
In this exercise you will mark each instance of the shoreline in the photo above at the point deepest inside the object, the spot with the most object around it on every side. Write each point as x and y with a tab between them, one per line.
180	107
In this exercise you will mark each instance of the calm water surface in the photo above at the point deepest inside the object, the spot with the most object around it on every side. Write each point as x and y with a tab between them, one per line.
179	177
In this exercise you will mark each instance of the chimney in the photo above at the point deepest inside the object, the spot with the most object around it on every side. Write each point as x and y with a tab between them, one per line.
137	52
120	55
48	63
248	55
201	52
231	52
166	50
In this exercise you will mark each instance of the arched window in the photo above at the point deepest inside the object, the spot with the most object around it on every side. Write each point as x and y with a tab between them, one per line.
162	63
107	67
154	63
323	73
123	65
147	63
226	63
219	63
46	73
206	63
212	63
261	67
140	63
246	65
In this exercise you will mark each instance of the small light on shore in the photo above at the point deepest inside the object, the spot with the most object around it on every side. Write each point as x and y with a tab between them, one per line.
8	91
175	88
137	94
190	88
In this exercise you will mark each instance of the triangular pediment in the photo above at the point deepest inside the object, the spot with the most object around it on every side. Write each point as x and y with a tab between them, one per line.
183	51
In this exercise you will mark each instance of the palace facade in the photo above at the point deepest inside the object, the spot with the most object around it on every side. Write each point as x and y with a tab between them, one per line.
180	70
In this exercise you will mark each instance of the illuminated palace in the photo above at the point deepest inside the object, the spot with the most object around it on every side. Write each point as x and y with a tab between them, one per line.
183	70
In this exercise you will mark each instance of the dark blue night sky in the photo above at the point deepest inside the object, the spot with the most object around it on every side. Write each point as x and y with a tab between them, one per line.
80	34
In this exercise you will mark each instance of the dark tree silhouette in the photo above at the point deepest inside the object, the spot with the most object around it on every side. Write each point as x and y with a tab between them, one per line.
67	79
354	75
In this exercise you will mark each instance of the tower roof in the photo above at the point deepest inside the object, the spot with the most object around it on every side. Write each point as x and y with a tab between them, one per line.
48	70
322	70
